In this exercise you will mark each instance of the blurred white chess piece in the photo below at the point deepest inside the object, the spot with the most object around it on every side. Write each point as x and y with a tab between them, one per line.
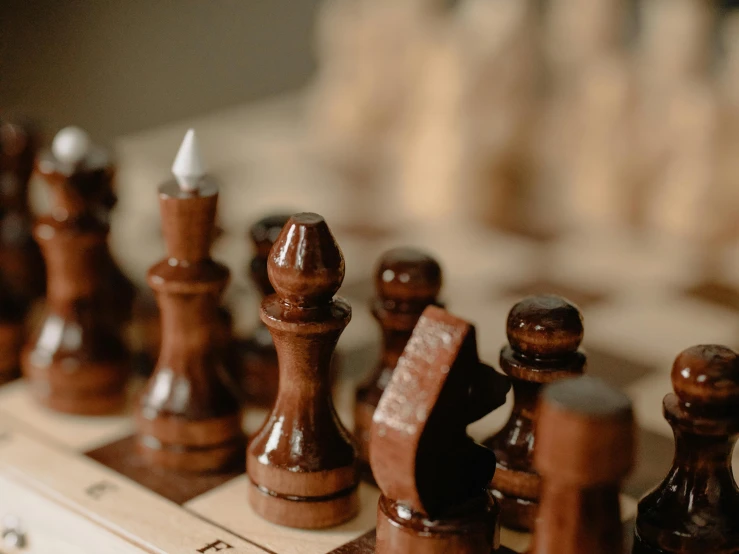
70	145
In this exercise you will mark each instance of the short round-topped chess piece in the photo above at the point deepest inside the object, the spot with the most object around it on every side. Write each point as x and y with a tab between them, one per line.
76	361
20	258
694	510
544	333
260	373
302	462
434	478
584	449
188	417
407	281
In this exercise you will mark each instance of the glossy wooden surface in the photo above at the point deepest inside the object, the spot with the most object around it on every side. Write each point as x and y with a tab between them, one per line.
544	333
695	508
302	462
188	417
432	475
406	281
585	447
260	372
75	360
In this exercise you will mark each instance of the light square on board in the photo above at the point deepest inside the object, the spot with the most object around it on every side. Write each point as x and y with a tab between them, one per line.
78	433
227	506
655	328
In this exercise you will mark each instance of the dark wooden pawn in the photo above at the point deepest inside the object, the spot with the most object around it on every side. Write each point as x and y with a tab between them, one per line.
433	477
695	509
260	372
407	281
20	258
544	333
75	361
188	417
584	449
302	462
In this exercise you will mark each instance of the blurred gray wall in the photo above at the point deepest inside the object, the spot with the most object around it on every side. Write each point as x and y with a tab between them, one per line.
117	66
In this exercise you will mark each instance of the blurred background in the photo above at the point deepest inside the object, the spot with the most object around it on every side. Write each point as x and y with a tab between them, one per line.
602	107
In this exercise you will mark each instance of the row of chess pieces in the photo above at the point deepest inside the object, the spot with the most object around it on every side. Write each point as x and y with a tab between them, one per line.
555	468
620	114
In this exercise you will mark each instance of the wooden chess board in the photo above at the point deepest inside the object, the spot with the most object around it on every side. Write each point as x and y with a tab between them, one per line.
75	484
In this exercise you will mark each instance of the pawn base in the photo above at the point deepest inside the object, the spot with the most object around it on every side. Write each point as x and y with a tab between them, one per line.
304	513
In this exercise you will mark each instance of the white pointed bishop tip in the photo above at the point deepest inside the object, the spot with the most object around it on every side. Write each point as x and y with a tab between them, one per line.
70	145
188	167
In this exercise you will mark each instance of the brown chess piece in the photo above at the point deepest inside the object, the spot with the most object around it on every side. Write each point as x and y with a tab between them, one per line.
584	449
260	372
20	258
434	478
407	281
544	333
302	462
75	361
694	510
188	417
11	333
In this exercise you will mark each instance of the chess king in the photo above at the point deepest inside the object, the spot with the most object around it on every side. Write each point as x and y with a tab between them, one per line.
189	414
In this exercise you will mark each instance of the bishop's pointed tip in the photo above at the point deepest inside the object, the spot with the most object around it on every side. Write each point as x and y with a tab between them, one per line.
188	167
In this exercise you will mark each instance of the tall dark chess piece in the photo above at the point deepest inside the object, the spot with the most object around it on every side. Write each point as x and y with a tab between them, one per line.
302	462
260	372
407	281
76	361
188	418
544	333
433	477
20	258
696	508
22	272
584	450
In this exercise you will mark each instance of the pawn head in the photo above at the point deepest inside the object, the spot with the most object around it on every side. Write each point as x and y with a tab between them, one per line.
707	376
408	274
305	265
545	326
